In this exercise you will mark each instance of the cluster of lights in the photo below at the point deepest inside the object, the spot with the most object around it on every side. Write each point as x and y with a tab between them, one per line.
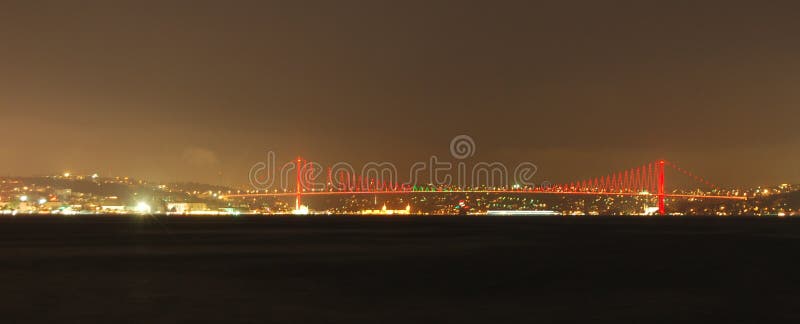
143	208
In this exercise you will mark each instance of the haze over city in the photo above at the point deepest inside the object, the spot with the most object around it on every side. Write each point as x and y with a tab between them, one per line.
199	91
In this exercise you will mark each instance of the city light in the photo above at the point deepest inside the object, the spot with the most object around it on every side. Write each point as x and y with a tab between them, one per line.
142	208
303	210
23	198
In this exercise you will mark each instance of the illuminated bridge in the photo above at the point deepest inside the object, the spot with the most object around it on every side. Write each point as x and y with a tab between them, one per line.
647	180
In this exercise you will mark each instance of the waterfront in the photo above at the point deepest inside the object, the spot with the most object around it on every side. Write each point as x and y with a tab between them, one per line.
398	269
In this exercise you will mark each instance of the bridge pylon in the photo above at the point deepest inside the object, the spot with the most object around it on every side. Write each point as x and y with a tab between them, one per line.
299	185
661	207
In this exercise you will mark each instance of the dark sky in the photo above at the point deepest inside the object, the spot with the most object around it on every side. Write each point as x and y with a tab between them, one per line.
199	90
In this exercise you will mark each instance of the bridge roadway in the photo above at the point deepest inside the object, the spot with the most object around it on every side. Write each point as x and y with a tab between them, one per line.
529	192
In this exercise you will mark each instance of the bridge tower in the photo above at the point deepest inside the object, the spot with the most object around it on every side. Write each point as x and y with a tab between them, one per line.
299	186
661	208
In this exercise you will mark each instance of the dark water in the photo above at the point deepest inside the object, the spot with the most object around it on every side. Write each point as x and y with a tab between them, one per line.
398	270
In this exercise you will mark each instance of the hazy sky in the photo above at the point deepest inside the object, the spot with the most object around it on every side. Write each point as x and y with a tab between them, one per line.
200	90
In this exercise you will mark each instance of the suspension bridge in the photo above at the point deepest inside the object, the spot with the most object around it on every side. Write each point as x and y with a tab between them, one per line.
646	180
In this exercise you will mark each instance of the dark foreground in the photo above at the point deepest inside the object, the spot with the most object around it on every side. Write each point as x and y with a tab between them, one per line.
398	270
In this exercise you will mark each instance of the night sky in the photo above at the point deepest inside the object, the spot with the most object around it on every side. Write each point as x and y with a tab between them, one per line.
200	90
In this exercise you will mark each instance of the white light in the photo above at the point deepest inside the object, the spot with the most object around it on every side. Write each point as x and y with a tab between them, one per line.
95	176
302	211
142	208
23	198
66	174
42	201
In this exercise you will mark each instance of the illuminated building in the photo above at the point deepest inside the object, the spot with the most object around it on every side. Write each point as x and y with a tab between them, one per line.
186	208
385	211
